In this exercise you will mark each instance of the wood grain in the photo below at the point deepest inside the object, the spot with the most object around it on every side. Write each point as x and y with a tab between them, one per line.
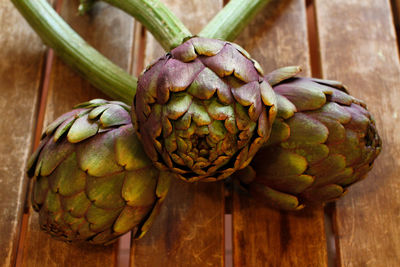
358	46
189	229
263	236
111	32
20	74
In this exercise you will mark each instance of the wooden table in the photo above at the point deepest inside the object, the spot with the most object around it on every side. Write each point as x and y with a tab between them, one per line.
349	40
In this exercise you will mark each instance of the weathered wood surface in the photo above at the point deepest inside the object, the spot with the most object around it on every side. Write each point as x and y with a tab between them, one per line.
20	74
111	32
264	236
358	46
188	231
190	228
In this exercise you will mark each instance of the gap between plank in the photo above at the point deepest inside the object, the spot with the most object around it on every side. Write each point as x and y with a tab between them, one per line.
316	71
138	50
312	29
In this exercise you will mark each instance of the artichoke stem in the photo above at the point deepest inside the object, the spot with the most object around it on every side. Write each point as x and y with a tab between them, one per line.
232	19
73	50
168	30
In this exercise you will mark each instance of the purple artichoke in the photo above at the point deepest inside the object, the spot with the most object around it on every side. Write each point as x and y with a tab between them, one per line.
203	110
323	140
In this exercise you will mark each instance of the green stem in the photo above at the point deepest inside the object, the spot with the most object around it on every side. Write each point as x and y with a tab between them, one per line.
168	30
232	19
68	45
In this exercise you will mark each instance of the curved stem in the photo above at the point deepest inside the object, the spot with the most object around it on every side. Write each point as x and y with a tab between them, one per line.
68	45
232	19
104	74
168	30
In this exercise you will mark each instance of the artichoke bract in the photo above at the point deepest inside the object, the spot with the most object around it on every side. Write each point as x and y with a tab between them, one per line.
323	140
203	110
93	182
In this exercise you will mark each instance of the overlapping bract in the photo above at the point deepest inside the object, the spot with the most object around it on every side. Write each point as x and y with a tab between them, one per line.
93	181
323	140
204	110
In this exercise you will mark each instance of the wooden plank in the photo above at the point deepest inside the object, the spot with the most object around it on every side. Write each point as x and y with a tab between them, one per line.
263	236
189	229
358	46
111	32
20	75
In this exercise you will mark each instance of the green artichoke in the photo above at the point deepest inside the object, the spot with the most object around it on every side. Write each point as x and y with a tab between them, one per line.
93	182
203	110
323	140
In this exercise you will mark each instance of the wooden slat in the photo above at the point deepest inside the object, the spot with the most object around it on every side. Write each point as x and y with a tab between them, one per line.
20	74
189	229
263	236
358	46
110	31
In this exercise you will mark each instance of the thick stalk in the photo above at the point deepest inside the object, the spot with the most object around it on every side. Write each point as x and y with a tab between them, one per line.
168	30
232	19
68	45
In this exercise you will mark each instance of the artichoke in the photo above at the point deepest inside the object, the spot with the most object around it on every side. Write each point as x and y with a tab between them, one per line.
93	182
323	140
203	110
